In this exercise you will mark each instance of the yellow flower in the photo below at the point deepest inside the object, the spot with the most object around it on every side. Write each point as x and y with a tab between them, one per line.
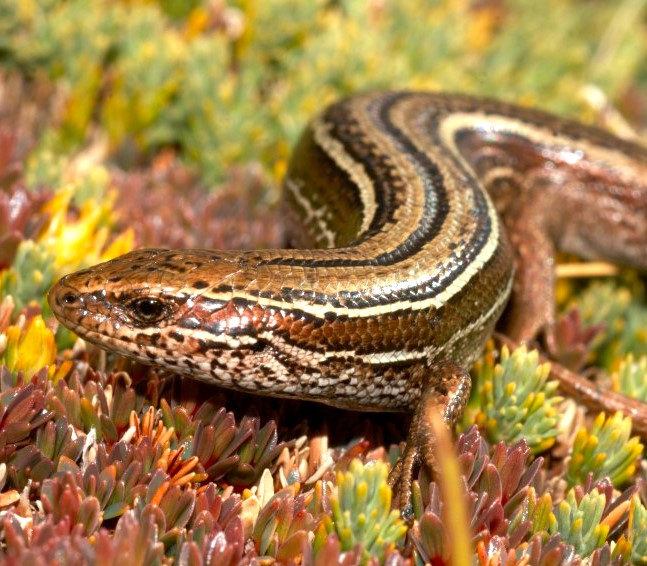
28	350
81	241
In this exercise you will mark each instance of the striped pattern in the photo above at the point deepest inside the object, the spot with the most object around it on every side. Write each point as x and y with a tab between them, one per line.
402	260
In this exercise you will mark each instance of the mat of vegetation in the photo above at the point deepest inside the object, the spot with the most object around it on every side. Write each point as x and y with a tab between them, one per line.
166	123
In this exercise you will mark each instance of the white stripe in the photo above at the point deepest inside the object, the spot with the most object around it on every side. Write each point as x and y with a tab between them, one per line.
336	151
314	358
311	214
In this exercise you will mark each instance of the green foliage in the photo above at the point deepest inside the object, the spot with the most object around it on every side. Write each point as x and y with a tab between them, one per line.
45	167
623	315
538	511
637	530
631	377
604	450
361	511
233	82
30	276
579	521
118	473
517	400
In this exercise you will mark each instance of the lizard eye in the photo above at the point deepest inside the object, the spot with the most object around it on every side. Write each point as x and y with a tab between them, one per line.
148	310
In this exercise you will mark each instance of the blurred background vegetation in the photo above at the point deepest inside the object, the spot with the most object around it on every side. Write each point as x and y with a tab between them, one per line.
234	82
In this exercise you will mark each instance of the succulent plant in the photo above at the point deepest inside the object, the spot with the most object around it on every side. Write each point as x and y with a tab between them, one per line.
584	518
22	410
361	511
517	399
571	342
624	317
636	540
604	450
631	377
20	218
109	139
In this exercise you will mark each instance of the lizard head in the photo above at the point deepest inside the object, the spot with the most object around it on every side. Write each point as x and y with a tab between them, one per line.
170	308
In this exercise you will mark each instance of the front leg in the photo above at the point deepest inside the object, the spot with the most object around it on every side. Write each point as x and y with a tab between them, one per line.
445	391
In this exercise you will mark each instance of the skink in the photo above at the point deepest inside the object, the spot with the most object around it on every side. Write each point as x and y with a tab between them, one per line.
407	214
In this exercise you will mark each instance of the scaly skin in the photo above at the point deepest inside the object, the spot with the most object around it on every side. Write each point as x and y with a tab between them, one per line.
407	204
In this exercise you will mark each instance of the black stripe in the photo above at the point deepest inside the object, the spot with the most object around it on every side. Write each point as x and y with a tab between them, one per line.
436	210
436	202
